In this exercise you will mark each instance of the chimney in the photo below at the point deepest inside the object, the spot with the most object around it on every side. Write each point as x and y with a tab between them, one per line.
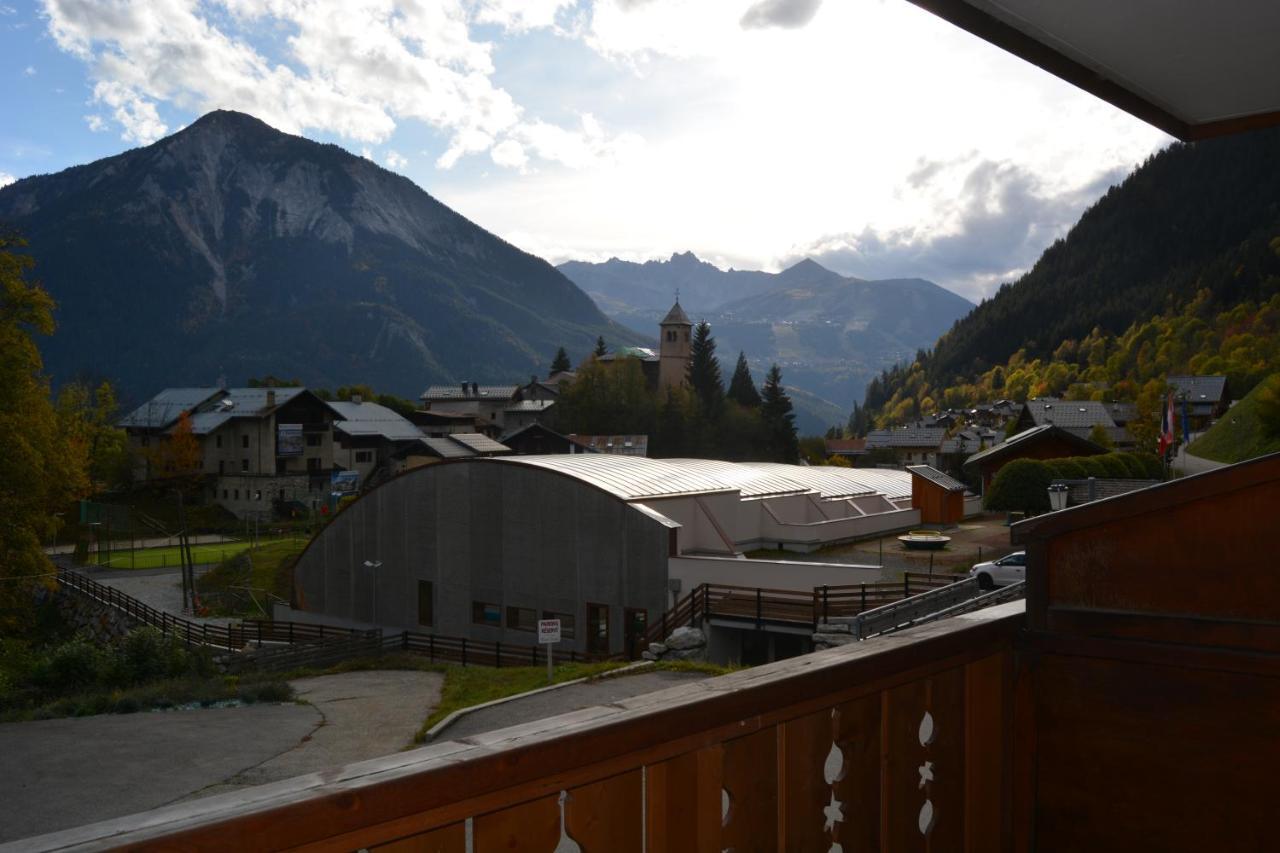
464	389
475	389
271	397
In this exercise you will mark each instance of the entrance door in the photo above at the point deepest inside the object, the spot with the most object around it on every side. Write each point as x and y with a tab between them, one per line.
637	621
598	628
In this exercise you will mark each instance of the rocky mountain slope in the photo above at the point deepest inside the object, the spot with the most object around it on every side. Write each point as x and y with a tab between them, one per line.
233	249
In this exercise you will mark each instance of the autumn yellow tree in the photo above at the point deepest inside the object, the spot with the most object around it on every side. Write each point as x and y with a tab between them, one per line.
43	467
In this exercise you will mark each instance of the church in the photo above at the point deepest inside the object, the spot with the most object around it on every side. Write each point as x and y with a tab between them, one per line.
669	366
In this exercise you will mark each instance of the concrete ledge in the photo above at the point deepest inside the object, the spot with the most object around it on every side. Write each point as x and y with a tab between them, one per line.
434	731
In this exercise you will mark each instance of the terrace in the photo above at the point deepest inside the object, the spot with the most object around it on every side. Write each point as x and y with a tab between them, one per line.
1142	665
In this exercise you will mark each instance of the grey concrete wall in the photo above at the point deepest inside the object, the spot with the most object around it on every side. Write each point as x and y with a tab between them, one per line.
488	531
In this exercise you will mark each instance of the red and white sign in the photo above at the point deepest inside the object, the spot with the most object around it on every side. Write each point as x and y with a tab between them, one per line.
548	631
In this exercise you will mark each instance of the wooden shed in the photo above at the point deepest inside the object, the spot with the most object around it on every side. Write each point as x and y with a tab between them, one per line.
939	498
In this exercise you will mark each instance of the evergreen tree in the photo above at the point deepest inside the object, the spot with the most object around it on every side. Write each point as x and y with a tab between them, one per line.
742	390
779	421
601	349
704	370
561	361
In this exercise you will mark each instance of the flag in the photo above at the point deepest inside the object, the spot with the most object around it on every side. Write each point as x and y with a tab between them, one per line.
1166	426
1186	426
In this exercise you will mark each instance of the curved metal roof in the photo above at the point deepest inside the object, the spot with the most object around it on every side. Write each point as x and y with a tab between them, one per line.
833	482
752	482
628	477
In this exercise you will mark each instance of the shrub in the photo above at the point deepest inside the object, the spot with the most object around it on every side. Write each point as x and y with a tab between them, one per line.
1021	486
72	666
1133	466
1094	466
1067	468
1149	463
1115	468
269	691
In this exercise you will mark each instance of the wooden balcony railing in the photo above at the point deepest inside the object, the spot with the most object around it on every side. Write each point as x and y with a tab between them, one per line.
889	745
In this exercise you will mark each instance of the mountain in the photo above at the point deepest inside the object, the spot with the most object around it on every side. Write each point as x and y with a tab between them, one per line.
233	249
830	333
1201	216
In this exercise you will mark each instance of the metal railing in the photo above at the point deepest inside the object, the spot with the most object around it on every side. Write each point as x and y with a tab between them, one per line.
964	596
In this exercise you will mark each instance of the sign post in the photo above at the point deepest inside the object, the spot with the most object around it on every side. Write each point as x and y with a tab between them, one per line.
548	635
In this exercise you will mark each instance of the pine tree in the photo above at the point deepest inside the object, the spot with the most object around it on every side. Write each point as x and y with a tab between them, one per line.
601	349
742	389
561	362
779	420
704	370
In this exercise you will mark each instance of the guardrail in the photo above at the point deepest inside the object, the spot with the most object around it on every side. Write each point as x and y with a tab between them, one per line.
963	596
307	644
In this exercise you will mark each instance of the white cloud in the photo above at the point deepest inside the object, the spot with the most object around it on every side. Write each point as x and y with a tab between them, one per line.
354	68
96	123
395	161
29	71
788	14
6	179
511	154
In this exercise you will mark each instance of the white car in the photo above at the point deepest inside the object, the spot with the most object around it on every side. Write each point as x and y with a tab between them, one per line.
1001	572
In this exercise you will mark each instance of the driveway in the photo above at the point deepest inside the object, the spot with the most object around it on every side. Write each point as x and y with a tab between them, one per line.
57	774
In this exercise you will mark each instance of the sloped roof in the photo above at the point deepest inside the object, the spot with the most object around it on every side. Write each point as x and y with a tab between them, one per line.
906	437
1069	414
533	406
933	475
166	407
478	442
676	316
455	392
834	482
1199	389
1019	442
446	449
366	419
240	403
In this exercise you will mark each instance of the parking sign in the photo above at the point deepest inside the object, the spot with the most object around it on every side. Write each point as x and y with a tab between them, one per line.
548	631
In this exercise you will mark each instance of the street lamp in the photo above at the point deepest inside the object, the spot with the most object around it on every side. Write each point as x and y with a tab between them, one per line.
1058	496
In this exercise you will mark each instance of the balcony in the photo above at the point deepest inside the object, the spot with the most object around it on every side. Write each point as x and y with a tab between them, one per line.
1128	705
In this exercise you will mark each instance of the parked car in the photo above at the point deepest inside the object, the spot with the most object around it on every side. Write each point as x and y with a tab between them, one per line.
1001	572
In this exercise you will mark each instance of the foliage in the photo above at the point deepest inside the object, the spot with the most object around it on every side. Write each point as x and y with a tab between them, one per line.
1099	436
399	405
601	349
561	362
838	461
44	459
88	417
1243	433
1020	486
1117	304
742	388
779	421
267	569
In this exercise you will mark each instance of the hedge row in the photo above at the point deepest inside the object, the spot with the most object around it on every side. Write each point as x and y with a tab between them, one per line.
1023	484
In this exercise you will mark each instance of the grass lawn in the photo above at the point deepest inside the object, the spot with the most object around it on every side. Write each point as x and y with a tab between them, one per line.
155	558
265	569
1238	435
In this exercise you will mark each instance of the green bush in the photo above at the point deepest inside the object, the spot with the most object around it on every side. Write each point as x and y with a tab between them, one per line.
1094	466
1021	486
1131	465
1115	468
1148	463
71	666
1067	468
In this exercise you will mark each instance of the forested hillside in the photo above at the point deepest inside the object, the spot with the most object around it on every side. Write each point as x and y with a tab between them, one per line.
1167	272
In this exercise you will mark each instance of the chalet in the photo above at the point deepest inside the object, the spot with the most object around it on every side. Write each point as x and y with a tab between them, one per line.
485	404
1048	441
1079	417
616	445
368	436
847	448
910	445
1207	398
537	439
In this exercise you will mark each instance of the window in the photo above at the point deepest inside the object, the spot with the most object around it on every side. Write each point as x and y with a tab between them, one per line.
671	335
484	613
237	494
426	608
522	619
567	623
244	464
364	456
597	627
217	441
244	440
313	440
313	463
222	465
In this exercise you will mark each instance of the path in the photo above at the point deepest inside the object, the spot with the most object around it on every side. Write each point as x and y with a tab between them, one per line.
158	588
56	774
554	702
1188	464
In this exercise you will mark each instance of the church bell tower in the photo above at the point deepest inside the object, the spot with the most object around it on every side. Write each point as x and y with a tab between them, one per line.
674	348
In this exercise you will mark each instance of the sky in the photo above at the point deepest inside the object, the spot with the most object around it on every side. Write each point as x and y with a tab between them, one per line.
868	135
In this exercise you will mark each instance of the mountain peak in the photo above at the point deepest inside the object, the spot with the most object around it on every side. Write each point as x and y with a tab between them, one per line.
687	258
808	271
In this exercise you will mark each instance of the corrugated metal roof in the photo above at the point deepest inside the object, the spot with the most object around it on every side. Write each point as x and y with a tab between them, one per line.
478	442
933	475
752	482
364	419
166	407
484	392
833	481
446	449
1069	414
906	437
628	477
1199	389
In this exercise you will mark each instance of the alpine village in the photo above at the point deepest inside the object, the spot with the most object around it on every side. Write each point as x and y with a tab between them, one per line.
928	506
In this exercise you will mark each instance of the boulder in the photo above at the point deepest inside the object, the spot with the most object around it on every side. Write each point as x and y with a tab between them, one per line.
648	655
698	654
658	649
685	638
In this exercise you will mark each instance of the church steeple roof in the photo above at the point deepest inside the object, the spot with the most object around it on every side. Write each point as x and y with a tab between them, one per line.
676	317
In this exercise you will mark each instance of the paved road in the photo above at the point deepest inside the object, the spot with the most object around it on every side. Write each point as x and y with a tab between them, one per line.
564	700
1188	464
56	774
158	588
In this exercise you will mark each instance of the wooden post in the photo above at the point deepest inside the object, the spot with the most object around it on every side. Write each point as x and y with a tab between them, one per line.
464	651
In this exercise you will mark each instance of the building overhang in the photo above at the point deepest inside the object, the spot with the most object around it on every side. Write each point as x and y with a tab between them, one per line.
1193	69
